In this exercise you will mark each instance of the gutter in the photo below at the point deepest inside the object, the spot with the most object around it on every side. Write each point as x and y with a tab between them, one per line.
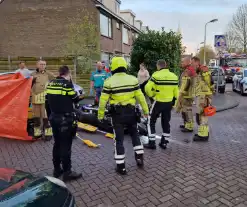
118	18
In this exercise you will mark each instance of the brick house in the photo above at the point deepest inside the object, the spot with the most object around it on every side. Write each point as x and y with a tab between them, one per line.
118	28
37	28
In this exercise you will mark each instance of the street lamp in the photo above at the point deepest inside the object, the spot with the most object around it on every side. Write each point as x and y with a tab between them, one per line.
205	35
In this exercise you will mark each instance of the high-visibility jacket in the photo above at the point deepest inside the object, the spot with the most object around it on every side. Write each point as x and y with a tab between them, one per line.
162	86
203	83
121	89
187	83
61	96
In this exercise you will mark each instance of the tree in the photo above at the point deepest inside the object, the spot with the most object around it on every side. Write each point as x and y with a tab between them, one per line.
82	41
154	45
231	40
210	54
239	26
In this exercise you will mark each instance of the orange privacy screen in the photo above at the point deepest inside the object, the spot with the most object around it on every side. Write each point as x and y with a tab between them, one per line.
14	100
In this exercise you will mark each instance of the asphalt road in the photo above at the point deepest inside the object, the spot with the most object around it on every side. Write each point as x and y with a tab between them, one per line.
191	174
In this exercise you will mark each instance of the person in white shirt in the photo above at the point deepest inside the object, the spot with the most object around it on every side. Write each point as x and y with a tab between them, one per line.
143	74
23	69
143	77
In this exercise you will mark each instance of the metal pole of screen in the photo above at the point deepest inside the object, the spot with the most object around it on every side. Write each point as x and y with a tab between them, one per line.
218	75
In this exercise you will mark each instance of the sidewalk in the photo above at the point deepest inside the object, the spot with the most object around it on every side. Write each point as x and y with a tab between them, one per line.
224	102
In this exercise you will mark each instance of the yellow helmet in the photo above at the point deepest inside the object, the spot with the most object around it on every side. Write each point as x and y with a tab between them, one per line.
118	62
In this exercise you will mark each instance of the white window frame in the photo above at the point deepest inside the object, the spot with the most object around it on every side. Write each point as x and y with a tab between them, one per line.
107	33
125	38
117	7
117	25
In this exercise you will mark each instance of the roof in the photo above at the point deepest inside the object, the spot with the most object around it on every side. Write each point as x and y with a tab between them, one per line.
128	11
101	6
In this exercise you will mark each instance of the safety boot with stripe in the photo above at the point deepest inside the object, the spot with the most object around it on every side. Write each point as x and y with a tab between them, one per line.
203	133
37	133
48	134
163	142
139	160
188	127
121	169
151	145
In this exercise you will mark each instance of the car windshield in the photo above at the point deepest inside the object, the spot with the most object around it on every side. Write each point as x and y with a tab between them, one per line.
237	62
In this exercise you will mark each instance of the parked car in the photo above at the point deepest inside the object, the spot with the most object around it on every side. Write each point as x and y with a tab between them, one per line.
240	82
229	75
218	75
18	188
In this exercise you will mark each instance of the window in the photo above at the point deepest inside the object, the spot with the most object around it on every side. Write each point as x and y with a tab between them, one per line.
117	25
125	35
105	26
117	7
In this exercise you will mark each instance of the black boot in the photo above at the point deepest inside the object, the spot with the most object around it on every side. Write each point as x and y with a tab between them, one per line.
163	142
181	126
186	130
139	160
57	173
121	169
198	138
68	176
150	145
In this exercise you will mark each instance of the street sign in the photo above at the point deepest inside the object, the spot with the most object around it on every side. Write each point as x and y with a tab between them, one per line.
220	42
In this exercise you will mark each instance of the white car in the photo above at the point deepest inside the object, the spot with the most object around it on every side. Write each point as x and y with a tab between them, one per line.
240	82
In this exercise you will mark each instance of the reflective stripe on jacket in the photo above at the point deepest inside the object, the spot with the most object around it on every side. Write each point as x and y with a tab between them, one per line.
121	89
163	86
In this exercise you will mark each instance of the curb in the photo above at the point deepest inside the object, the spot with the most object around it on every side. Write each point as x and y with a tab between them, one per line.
228	107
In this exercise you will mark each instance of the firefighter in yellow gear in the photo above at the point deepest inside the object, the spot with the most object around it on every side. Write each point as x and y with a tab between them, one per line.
203	90
186	96
122	91
163	89
41	77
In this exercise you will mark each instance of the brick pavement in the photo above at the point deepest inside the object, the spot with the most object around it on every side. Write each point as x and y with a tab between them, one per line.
195	174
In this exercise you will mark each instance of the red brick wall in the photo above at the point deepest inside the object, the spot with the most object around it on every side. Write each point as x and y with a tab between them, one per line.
38	28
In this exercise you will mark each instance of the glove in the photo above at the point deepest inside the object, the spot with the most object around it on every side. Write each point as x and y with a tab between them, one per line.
91	92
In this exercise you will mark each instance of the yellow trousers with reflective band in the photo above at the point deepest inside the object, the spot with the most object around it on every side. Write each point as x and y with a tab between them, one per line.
187	109
39	98
202	121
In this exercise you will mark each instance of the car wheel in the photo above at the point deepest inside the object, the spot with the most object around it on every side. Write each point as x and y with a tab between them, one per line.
242	90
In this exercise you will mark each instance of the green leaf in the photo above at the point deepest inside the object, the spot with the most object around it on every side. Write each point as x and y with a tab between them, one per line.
154	45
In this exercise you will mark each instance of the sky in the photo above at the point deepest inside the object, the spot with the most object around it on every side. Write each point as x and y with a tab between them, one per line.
191	15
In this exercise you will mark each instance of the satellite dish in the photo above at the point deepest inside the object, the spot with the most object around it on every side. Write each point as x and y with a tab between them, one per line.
1	1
